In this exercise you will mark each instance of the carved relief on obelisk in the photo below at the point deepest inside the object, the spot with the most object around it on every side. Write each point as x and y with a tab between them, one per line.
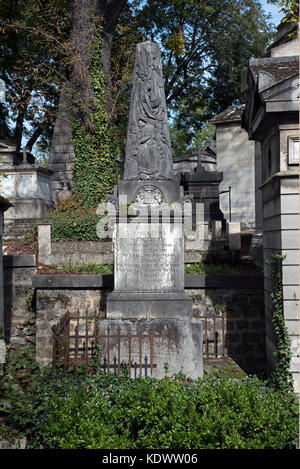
148	149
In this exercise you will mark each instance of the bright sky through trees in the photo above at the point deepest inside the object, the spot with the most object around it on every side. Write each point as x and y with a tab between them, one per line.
276	14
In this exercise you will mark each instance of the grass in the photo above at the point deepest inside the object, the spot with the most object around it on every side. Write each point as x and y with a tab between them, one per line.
201	268
83	268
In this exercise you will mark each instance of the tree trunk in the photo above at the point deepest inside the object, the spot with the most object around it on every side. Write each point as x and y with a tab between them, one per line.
109	11
85	14
36	134
82	40
18	132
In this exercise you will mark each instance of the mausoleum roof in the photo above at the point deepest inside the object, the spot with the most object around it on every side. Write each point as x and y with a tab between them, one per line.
278	67
232	113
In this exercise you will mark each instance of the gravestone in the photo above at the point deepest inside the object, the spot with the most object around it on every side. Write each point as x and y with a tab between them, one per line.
149	267
148	233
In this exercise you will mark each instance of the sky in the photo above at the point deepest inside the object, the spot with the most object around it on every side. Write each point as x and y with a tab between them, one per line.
276	14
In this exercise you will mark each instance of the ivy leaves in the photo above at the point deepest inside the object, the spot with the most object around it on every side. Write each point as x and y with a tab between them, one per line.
95	171
282	377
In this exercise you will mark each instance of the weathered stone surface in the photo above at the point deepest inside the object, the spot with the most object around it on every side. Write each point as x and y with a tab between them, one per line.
177	343
234	235
62	150
148	305
149	264
149	275
148	148
149	268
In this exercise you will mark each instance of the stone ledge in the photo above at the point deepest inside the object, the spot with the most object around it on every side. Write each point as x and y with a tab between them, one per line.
25	260
223	281
191	281
82	247
85	281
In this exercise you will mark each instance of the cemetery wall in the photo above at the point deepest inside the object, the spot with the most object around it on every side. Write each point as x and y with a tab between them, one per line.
33	303
19	311
239	299
235	158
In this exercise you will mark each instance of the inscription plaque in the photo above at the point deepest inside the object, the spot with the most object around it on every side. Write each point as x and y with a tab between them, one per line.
149	264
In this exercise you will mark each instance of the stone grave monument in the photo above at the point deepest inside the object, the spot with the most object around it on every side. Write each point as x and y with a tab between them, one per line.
149	232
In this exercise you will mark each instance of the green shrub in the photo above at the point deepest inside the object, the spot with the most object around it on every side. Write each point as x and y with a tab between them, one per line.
71	220
107	412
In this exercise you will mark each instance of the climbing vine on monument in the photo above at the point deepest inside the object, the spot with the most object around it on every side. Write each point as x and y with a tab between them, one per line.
95	171
281	377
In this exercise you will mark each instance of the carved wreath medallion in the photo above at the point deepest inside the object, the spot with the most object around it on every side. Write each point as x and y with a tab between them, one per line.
149	195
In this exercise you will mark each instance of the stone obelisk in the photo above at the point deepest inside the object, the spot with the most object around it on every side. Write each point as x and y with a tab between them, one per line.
148	296
149	259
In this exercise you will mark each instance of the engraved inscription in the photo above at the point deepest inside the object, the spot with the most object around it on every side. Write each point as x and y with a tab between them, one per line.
145	264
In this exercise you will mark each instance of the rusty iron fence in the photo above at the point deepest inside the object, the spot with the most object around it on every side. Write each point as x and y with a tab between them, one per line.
76	339
77	351
214	336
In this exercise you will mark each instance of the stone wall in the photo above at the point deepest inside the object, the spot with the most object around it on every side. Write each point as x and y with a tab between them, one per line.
61	160
34	303
280	192
1	275
243	312
19	302
235	158
239	298
212	247
88	252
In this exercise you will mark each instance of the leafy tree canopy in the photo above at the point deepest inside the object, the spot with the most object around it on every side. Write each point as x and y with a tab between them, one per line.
204	45
33	45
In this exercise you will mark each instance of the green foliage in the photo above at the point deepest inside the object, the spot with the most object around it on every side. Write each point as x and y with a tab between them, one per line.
202	76
71	220
290	9
32	48
106	412
281	377
186	140
95	171
83	268
17	390
202	268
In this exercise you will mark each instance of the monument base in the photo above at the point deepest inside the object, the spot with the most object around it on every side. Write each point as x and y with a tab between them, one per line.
153	347
148	305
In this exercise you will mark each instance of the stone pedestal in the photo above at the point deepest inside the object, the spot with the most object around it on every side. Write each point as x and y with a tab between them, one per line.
216	228
149	272
151	346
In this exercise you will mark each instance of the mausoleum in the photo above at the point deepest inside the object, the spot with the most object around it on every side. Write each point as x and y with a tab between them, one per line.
271	117
27	186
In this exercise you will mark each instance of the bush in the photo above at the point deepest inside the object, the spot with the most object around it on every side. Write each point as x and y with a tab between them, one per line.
107	412
71	220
